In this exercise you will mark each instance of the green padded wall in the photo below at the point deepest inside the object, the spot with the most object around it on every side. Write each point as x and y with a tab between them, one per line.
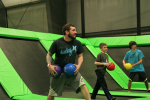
14	33
120	41
9	79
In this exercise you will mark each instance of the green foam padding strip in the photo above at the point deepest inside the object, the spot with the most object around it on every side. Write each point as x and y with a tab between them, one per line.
30	97
139	86
40	97
46	44
44	36
92	40
120	41
83	41
114	73
9	79
148	98
131	94
56	36
143	40
14	33
112	41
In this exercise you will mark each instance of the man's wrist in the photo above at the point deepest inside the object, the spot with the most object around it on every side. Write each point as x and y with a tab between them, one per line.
49	64
104	63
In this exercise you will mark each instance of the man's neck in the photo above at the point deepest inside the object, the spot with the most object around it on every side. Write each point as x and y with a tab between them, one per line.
103	52
66	38
133	50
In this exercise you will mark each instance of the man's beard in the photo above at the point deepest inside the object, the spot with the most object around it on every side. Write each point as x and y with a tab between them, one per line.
71	36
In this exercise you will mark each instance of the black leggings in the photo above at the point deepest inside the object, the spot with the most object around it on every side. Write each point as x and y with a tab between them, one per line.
101	83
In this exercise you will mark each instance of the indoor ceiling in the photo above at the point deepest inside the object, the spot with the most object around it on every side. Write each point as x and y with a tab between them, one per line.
9	3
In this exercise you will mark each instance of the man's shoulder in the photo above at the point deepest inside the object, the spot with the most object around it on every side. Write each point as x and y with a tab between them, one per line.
100	54
138	50
129	52
77	41
59	39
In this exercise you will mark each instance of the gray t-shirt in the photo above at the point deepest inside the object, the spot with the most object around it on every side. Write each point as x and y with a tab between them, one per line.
101	57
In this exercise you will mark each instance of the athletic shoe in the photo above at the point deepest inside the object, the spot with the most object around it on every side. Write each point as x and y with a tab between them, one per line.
113	98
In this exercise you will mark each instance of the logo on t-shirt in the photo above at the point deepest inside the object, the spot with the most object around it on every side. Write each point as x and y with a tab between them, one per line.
134	55
69	51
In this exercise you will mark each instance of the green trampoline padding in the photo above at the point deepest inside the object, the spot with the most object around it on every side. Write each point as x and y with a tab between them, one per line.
14	33
130	94
138	86
143	40
120	41
83	41
112	41
44	36
9	79
141	98
30	97
39	97
55	36
46	44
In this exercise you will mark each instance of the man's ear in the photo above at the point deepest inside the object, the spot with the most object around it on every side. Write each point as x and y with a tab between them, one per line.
67	32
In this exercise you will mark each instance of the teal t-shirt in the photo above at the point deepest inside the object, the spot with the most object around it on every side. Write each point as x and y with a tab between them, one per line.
133	58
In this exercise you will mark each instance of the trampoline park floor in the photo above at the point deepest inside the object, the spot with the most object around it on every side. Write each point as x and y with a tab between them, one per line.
30	64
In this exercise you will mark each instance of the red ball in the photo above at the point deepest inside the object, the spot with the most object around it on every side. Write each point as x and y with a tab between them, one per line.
111	66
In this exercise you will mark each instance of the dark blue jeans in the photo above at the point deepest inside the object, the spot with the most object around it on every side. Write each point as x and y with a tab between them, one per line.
101	83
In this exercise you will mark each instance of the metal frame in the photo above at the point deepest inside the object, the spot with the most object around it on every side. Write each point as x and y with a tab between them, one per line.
130	31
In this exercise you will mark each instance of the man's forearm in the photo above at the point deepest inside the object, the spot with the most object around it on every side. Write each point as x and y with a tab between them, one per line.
48	58
123	62
98	63
138	62
80	60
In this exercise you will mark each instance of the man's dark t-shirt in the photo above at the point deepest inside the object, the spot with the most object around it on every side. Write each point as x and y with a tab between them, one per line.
65	51
102	57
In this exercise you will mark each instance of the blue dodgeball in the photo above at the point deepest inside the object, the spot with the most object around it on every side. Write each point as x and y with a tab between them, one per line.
69	69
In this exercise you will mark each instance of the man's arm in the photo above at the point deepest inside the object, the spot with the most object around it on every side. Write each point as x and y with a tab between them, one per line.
80	60
140	61
124	62
49	57
101	63
49	60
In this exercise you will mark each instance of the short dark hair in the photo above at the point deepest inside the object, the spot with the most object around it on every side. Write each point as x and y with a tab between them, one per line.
102	44
67	27
131	43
